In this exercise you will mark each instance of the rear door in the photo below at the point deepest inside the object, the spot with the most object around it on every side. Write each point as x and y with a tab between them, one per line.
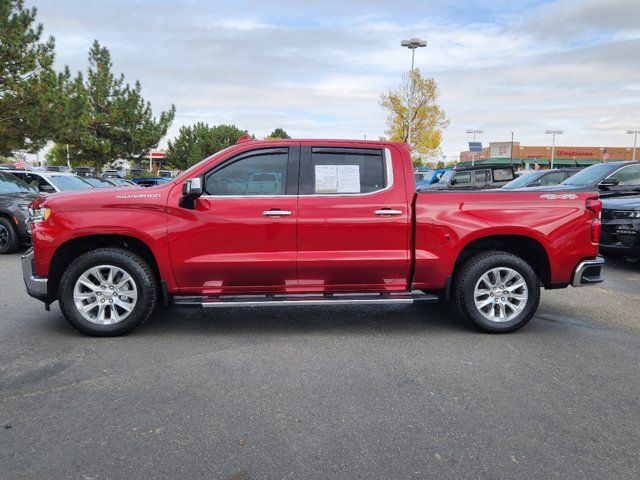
354	222
481	179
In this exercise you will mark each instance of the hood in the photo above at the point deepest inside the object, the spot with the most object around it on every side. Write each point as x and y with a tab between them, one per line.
624	203
18	197
104	196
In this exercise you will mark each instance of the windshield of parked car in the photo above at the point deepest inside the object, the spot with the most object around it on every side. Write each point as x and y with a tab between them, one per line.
523	180
12	184
589	176
69	182
120	182
446	176
96	182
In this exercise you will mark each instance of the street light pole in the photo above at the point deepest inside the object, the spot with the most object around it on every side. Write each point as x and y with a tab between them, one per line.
553	144
412	44
635	141
473	154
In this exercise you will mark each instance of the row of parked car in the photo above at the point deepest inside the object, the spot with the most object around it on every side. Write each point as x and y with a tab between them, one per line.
618	184
18	188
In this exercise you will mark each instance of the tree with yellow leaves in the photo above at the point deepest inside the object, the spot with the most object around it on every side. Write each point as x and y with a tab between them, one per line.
412	111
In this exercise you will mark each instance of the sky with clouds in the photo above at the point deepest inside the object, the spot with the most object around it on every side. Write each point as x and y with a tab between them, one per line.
317	68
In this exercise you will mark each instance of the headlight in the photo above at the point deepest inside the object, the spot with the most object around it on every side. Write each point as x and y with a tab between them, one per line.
37	215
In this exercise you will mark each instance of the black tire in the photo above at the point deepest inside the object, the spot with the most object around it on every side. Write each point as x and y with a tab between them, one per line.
132	264
9	241
469	275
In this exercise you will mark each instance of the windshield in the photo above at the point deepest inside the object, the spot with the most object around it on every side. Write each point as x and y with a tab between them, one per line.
69	182
446	176
96	182
589	176
523	180
12	184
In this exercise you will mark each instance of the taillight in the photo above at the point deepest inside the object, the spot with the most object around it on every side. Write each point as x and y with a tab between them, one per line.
595	205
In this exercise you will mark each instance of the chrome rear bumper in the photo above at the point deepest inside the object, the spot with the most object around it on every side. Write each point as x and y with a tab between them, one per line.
588	272
36	286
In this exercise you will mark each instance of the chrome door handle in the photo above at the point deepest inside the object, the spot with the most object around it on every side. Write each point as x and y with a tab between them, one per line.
387	211
276	213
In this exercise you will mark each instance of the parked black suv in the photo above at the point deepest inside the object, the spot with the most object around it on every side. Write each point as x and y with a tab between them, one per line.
478	177
15	197
621	226
608	179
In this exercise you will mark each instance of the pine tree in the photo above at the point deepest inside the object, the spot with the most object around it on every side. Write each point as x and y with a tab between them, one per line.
27	81
111	119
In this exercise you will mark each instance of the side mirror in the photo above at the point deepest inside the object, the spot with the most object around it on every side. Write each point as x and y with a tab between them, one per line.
191	190
47	189
609	182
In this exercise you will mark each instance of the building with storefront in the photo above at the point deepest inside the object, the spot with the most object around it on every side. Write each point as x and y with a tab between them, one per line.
527	156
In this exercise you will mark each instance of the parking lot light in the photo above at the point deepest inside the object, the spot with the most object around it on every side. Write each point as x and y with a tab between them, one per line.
553	144
635	142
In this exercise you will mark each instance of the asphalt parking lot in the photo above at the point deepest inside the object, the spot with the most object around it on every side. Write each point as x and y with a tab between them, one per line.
327	392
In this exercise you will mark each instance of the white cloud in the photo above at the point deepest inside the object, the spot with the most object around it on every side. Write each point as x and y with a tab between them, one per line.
316	68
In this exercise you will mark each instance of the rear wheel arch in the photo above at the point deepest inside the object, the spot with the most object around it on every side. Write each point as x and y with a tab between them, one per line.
525	247
76	247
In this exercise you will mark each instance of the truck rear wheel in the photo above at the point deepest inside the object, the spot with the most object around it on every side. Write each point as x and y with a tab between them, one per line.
497	292
107	292
9	241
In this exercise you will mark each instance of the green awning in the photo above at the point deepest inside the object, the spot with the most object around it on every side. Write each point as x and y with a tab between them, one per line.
539	161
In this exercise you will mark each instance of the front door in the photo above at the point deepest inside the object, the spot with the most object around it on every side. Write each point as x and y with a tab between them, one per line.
353	219
241	237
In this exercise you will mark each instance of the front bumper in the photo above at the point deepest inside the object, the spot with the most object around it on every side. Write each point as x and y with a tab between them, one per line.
588	272
36	286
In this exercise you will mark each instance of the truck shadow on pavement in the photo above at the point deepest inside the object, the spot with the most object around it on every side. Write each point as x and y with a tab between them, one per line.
320	319
387	319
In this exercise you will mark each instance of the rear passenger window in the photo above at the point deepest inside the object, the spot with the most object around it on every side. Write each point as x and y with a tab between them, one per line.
461	178
335	171
481	176
552	179
502	174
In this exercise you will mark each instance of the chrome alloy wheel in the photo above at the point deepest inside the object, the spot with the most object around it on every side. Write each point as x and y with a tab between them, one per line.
500	294
105	294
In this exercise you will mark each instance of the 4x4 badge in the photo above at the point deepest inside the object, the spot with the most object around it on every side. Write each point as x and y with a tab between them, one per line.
559	196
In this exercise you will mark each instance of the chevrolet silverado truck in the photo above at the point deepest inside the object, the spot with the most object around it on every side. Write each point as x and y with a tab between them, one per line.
306	222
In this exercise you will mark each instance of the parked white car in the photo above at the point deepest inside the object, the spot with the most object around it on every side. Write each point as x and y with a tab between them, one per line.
51	182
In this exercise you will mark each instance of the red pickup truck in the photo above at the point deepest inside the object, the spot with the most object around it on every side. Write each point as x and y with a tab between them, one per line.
300	222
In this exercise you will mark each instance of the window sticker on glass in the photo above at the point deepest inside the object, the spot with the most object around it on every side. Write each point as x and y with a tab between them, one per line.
348	179
337	179
326	179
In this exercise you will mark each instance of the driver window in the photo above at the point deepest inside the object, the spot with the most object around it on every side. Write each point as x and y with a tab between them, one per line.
628	175
260	174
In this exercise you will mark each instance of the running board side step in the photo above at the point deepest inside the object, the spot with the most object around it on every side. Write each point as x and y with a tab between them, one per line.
302	299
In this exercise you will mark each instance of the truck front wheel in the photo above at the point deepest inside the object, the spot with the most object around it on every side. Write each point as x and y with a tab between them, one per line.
107	292
497	292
